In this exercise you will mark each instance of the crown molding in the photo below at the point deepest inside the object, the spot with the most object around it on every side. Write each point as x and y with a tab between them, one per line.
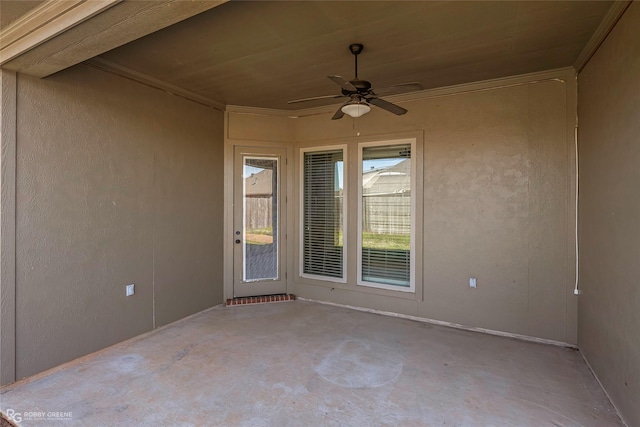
259	111
559	74
609	21
127	73
45	22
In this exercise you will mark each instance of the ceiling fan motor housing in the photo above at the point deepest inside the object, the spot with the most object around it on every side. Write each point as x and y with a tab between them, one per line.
356	48
362	87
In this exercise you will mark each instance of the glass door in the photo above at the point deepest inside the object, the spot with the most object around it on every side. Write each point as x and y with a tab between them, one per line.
259	264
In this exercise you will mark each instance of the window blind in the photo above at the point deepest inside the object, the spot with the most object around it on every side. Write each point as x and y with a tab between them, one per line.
322	253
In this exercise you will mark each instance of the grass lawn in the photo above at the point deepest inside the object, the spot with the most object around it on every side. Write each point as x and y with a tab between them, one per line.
259	236
386	241
383	241
262	236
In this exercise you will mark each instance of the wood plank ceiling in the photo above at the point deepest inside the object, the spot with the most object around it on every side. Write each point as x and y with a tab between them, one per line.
263	54
12	10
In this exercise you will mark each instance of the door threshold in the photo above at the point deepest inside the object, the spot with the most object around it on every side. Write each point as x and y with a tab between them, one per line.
263	299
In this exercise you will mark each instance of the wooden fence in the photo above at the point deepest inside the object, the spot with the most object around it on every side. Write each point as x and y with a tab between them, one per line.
383	213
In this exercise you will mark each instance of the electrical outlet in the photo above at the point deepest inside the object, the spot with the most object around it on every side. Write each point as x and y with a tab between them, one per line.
129	290
473	282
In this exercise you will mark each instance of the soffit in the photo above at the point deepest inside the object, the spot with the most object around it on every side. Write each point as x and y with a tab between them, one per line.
57	34
263	54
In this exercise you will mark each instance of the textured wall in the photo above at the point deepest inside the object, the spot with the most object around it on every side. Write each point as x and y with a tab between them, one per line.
117	183
609	137
497	206
7	225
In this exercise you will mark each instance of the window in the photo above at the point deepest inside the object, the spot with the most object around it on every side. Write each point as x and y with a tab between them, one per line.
323	227
381	197
386	216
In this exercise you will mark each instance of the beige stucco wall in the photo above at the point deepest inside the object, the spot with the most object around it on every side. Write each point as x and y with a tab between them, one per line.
609	140
116	183
497	163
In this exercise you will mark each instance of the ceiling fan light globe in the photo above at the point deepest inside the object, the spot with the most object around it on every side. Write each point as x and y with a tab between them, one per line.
356	110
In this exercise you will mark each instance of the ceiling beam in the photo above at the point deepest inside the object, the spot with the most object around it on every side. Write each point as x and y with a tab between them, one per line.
44	23
60	34
147	80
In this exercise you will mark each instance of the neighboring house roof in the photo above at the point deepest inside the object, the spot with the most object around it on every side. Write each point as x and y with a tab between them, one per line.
259	184
394	179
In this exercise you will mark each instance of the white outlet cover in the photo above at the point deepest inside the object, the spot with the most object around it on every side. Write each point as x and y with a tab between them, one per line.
130	290
473	283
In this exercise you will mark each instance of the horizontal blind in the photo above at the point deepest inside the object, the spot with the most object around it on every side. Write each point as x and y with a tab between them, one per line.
322	217
386	215
386	266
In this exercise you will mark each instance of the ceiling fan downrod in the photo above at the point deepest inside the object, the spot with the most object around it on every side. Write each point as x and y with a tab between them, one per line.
356	49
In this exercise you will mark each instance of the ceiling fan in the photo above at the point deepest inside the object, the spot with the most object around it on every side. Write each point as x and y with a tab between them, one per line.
361	94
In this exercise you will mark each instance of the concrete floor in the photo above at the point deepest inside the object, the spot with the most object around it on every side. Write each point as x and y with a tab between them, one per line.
301	364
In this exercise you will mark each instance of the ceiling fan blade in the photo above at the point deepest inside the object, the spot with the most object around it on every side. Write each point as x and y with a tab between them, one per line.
401	88
338	115
315	98
386	105
344	84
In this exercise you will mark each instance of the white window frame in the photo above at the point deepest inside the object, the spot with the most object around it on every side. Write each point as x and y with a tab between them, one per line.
276	236
345	218
412	269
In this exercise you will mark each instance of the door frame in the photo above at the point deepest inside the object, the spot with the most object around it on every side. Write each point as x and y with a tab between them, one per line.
287	167
242	287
